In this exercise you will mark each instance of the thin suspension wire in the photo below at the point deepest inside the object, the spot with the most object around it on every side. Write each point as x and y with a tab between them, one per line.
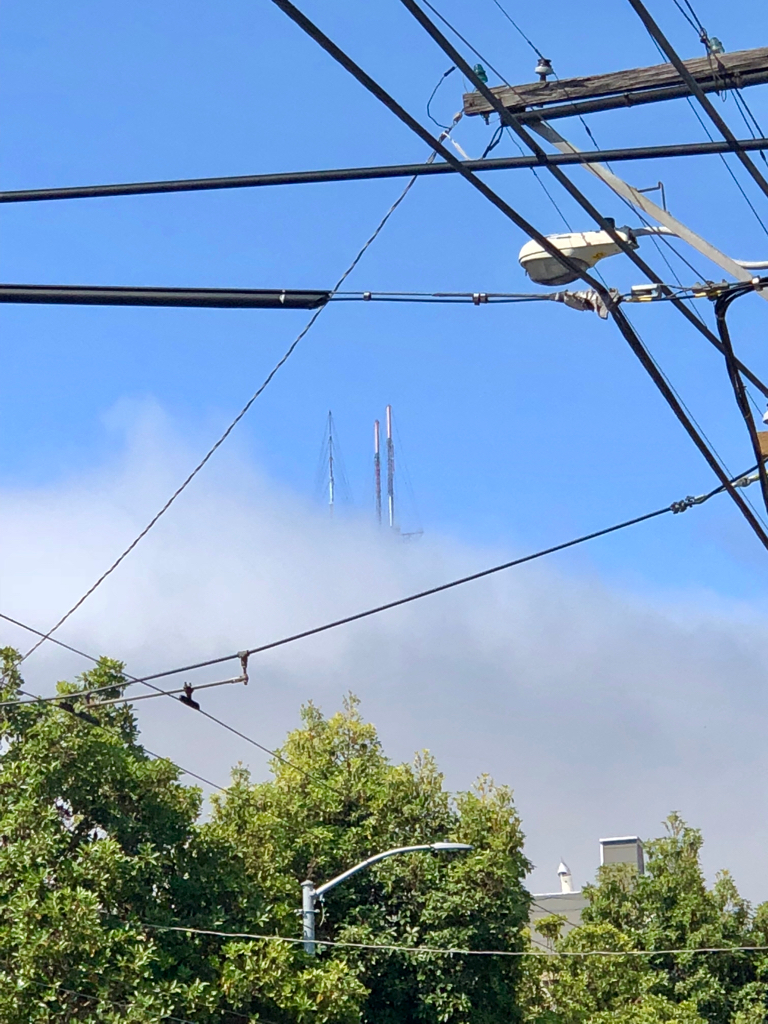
519	31
727	166
691	18
656	243
548	194
214	448
452	951
675	507
741	101
130	680
466	42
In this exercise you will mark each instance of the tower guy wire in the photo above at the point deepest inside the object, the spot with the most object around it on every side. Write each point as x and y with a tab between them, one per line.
223	437
576	268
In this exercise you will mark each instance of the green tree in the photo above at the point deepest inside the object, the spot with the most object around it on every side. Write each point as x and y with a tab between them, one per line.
669	907
98	841
334	801
102	849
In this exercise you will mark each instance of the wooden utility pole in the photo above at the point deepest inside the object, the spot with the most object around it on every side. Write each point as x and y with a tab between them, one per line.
570	96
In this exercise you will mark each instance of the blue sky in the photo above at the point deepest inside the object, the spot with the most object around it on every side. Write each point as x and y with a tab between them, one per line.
522	425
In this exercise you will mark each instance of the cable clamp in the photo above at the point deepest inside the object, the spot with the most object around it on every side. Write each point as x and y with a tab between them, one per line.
686	503
478	297
243	656
366	296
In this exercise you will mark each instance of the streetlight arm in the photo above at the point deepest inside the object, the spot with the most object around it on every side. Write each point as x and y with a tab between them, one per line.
310	895
323	889
745	264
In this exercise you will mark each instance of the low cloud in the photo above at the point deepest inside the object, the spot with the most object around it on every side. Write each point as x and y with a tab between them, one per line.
604	710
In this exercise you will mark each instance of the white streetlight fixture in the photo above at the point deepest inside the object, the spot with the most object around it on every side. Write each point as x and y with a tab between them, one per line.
585	249
310	895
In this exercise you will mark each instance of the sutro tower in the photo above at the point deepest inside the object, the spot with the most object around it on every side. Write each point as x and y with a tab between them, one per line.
377	469
331	480
390	470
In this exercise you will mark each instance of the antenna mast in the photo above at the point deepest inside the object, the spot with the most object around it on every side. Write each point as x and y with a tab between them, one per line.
331	481
377	469
390	470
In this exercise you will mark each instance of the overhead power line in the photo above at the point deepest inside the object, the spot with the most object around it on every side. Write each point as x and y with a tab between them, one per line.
64	701
384	171
451	951
512	121
220	441
577	269
205	298
676	507
658	36
240	298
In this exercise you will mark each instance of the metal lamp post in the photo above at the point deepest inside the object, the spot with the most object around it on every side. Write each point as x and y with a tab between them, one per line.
310	895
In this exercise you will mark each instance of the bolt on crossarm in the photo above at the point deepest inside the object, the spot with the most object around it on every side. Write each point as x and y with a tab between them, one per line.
310	895
722	305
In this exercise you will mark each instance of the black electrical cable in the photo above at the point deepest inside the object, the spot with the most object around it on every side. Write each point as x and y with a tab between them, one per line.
508	118
223	437
675	507
722	304
658	36
636	345
442	78
519	31
198	298
64	702
143	188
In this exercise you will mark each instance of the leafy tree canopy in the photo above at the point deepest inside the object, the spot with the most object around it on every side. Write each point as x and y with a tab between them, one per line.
669	907
99	841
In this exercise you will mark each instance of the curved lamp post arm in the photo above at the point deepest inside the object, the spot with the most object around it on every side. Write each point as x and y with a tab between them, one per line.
310	894
323	889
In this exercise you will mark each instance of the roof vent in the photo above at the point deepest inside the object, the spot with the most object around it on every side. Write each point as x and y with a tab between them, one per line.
566	879
622	850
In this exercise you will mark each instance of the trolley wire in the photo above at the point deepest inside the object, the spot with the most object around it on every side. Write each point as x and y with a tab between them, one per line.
64	701
676	507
